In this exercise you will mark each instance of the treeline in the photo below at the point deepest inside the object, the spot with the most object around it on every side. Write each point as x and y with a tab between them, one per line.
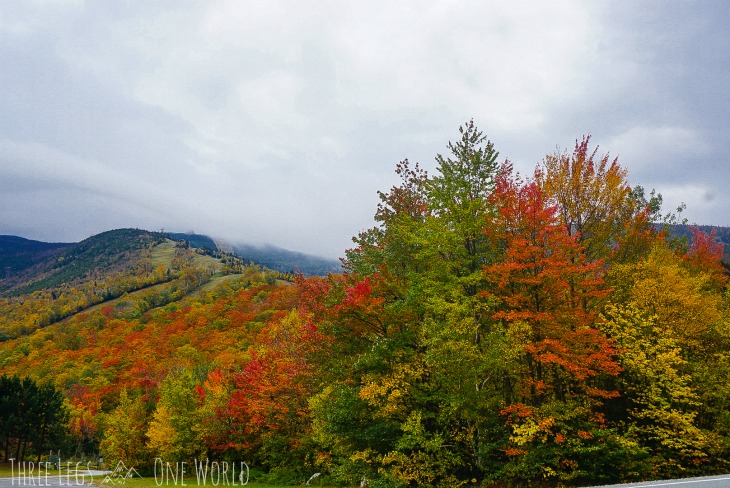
490	329
33	418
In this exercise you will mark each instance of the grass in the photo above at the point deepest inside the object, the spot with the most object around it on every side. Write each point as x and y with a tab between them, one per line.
164	253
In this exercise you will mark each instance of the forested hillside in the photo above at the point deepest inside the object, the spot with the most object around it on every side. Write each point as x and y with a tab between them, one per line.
105	267
287	261
490	329
720	235
17	253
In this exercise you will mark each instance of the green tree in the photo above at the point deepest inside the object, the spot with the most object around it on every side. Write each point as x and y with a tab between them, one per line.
32	418
426	353
172	431
125	432
50	421
459	199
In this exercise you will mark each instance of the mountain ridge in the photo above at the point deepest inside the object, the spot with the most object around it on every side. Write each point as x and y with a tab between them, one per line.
99	269
19	253
722	234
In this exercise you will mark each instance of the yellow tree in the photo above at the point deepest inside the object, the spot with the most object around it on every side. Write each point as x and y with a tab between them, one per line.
171	433
682	300
124	435
668	321
658	393
594	200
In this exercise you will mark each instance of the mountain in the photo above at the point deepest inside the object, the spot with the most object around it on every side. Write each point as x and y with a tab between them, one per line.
17	253
287	261
55	282
722	234
99	255
272	257
44	283
22	259
266	255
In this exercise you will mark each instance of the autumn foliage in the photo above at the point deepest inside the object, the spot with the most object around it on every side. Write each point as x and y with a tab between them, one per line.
490	328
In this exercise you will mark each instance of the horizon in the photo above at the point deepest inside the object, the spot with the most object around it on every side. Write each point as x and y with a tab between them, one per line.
217	240
267	245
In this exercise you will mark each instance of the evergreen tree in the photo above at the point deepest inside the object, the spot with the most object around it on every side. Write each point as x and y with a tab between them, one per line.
32	418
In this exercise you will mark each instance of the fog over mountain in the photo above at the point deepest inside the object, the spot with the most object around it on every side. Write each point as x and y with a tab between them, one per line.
278	122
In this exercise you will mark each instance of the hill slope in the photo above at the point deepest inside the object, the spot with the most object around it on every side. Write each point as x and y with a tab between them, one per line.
102	268
722	234
17	253
287	261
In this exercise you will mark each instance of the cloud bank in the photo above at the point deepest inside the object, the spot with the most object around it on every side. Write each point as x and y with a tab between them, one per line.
279	121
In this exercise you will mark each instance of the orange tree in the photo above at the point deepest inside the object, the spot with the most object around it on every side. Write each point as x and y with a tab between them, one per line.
547	291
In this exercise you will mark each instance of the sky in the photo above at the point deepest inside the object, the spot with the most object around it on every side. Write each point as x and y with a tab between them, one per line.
279	121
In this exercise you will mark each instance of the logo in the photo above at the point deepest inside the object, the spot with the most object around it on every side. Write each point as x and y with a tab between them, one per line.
207	472
42	474
120	475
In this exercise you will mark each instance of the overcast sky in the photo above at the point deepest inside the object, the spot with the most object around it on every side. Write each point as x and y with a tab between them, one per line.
278	122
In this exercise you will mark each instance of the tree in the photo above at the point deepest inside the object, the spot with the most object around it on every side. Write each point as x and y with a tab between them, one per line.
171	433
547	290
125	432
668	317
32	418
268	404
408	306
661	285
594	201
50	420
459	197
214	423
658	392
705	257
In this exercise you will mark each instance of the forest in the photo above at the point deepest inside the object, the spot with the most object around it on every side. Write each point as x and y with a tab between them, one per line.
490	329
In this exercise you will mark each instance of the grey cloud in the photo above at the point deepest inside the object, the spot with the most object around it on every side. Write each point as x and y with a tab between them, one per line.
279	121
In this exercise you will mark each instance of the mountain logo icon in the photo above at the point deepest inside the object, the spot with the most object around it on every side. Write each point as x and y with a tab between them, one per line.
120	475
